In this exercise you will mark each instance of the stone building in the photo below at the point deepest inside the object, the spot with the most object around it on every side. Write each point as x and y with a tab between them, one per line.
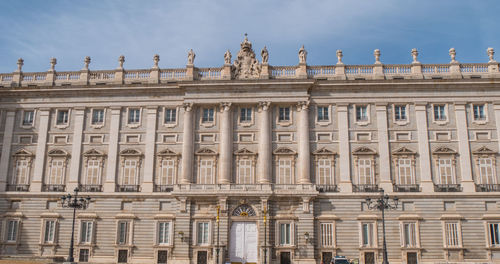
267	164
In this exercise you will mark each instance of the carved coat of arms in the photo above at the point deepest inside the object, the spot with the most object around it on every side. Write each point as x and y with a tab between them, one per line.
246	66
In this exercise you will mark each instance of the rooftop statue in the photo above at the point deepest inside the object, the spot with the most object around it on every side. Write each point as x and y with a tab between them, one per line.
246	66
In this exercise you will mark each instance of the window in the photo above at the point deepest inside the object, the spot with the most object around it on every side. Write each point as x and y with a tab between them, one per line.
93	176
365	171
324	171
202	233
452	234
56	172
285	234
12	229
405	171
21	172
327	234
284	171
129	172
486	171
84	255
86	232
49	233
28	117
134	116
400	113
446	171
494	232
206	171
367	234
409	235
170	115
479	112
97	117
323	113
163	233
208	115
362	113
245	114
439	113
167	176
123	229
62	117
284	114
245	174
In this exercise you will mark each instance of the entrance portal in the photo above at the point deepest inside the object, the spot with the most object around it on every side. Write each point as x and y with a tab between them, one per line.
243	242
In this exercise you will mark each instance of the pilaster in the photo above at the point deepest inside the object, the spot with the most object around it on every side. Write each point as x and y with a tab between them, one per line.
304	147
76	150
383	148
226	145
6	148
265	152
378	71
41	148
464	148
114	134
149	156
423	147
344	149
119	76
496	108
187	145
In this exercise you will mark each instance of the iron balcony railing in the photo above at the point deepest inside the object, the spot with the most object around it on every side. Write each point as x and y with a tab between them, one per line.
406	188
18	187
365	188
488	188
163	188
53	188
90	188
447	188
128	188
322	188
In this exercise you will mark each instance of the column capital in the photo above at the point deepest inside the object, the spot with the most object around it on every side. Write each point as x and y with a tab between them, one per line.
225	106
187	107
303	105
263	106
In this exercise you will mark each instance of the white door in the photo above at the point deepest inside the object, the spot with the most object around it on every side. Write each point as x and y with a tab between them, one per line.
243	242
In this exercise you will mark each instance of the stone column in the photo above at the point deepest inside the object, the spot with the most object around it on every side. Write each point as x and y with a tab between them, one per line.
226	144
423	147
464	148
6	148
344	149
76	150
114	138
303	140
383	148
264	169
41	148
187	145
149	157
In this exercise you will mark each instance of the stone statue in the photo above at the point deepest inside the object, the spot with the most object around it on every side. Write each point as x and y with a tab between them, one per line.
414	54
121	60
491	52
20	63
339	57
227	57
246	65
302	55
191	57
265	55
376	53
86	63
453	54
53	62
156	59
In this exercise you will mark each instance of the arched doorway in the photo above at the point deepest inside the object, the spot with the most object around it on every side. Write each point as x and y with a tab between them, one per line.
243	241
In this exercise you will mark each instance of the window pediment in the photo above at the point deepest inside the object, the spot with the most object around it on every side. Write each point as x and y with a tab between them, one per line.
444	151
58	153
284	151
364	151
206	152
130	152
323	151
23	153
93	152
404	151
244	152
484	151
167	152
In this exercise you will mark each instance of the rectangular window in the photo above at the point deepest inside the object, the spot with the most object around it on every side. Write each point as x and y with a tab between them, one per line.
365	171
170	116
206	171
367	234
439	113
327	234
123	227
84	255
208	115
486	171
405	172
284	114
494	230
21	175
50	226
12	228
167	172
285	234
400	112
452	235
323	113
56	172
362	113
134	116
409	235
97	116
202	233
62	117
129	172
28	118
93	172
163	233
245	171
284	171
479	112
325	176
245	114
445	171
86	232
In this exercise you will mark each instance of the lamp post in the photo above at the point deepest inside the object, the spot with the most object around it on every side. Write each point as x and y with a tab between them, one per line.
265	235
382	203
69	201
217	249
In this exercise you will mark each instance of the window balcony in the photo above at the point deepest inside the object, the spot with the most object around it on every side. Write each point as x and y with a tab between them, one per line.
323	188
365	188
18	187
53	188
90	188
127	188
488	188
447	188
164	188
406	188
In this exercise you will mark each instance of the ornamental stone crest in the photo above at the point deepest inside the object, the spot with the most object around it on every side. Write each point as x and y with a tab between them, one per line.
243	210
246	66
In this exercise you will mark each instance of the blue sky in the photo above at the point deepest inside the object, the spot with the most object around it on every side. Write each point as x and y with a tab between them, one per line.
106	29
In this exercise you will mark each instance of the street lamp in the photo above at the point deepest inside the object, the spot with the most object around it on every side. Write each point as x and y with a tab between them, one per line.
68	201
382	203
217	250
265	235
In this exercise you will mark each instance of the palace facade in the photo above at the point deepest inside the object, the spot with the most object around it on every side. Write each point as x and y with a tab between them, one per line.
253	163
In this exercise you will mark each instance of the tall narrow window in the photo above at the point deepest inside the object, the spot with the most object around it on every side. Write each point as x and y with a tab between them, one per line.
50	226
208	115
285	234
28	117
93	172
479	112
439	113
134	116
62	117
400	113
123	227
284	171
21	174
284	114
494	232
97	116
246	114
163	233
361	113
367	234
365	171
446	171
245	171
56	172
486	171
325	171
12	229
86	232
323	113
452	235
327	234
409	235
170	115
167	172
202	233
206	171
129	172
405	171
